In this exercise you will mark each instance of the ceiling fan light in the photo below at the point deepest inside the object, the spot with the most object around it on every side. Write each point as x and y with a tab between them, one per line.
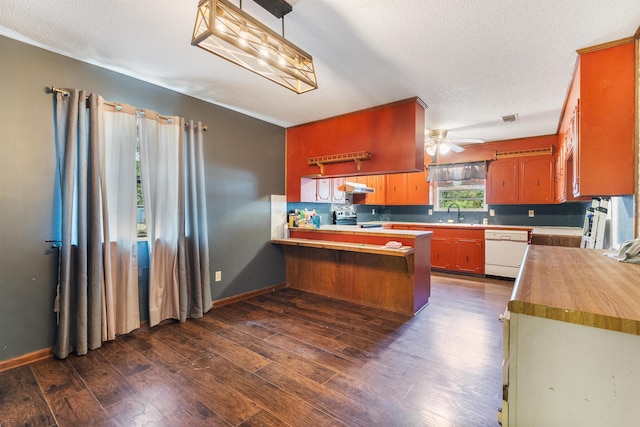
431	150
444	148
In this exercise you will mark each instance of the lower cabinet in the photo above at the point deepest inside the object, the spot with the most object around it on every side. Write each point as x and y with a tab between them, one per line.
468	254
454	249
440	252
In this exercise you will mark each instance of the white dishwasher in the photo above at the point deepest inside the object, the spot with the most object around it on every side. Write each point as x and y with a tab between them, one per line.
504	251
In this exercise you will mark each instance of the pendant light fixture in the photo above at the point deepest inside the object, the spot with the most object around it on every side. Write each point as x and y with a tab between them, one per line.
227	31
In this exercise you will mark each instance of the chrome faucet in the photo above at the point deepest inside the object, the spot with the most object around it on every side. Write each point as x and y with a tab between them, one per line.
460	218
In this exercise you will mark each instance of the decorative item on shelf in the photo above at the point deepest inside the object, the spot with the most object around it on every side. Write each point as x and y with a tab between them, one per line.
357	157
227	31
524	153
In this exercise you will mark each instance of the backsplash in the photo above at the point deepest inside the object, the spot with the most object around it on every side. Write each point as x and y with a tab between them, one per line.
562	215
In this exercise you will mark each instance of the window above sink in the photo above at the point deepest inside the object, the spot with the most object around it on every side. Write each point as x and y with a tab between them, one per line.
469	195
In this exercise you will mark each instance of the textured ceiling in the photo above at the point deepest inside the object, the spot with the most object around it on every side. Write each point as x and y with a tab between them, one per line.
470	61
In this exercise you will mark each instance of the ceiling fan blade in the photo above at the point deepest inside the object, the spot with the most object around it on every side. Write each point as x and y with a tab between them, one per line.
455	148
467	140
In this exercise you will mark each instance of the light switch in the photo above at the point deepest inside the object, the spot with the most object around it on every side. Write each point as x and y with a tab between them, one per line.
430	211
492	212
531	213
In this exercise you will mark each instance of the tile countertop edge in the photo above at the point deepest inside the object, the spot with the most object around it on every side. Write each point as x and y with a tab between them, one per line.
580	286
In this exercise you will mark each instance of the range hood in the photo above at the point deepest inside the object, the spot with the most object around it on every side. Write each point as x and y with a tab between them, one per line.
357	188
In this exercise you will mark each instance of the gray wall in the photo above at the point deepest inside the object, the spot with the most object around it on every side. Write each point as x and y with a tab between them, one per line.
244	165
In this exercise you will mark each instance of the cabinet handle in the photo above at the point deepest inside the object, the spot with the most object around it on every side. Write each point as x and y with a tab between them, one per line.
467	259
537	182
503	183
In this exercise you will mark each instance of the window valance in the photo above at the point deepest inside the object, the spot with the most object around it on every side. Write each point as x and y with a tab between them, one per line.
458	171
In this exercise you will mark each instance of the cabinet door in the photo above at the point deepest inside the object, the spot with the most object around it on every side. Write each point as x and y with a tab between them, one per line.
560	174
468	255
440	252
605	123
575	142
337	190
323	190
397	189
417	188
502	182
536	179
379	196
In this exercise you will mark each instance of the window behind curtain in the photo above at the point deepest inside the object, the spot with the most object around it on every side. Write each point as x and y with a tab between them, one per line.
469	194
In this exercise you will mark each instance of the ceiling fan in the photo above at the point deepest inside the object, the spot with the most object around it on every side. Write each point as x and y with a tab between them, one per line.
437	142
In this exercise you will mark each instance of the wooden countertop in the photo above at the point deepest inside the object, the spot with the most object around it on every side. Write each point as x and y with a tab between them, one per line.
345	246
580	286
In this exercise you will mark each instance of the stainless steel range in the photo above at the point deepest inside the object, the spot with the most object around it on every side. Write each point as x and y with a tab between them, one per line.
343	215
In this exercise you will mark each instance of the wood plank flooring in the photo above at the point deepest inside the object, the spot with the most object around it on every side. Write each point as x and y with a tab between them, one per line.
284	359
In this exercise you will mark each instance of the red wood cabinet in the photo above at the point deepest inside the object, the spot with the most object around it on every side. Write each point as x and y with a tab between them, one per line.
403	189
453	249
441	252
379	196
417	188
396	189
468	254
561	174
502	182
537	179
523	180
599	119
392	133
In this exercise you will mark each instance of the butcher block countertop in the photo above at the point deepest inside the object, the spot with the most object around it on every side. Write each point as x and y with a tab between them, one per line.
581	286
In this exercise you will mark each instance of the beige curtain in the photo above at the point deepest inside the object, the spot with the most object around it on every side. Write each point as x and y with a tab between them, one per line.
160	165
120	309
172	166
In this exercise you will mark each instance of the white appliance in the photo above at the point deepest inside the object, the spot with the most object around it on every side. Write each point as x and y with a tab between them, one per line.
504	251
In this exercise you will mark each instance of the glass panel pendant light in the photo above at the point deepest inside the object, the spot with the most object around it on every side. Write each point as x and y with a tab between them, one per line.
227	31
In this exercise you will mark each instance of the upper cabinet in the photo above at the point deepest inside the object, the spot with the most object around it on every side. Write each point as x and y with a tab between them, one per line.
522	180
598	122
323	190
537	179
393	135
502	182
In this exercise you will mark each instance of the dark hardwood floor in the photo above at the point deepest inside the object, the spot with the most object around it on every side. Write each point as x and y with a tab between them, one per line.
284	359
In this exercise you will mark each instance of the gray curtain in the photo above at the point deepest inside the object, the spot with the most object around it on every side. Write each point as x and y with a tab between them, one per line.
81	269
458	171
193	247
97	285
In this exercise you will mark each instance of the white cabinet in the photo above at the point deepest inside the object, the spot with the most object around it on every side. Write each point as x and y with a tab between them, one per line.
322	190
565	374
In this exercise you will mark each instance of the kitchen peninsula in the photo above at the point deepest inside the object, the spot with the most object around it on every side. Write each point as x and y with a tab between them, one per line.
357	265
572	341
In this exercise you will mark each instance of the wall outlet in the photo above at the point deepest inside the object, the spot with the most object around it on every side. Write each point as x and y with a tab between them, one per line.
373	211
430	211
531	213
218	276
492	212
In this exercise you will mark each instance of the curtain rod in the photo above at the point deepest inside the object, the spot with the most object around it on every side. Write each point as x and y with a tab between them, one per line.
65	92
